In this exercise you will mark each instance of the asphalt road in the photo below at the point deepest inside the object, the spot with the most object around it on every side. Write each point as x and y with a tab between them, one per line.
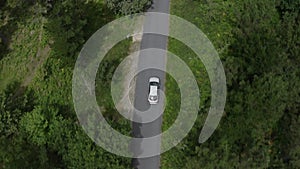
147	59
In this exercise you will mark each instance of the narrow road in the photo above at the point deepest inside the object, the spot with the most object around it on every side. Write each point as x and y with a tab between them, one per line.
142	85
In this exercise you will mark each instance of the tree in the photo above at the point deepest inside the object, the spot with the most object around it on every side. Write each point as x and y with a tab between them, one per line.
14	101
127	7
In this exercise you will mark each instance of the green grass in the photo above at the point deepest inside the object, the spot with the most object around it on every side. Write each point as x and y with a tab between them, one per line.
172	89
173	97
172	102
213	19
103	86
25	43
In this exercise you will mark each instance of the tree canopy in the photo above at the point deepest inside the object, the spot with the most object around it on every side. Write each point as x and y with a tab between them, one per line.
127	7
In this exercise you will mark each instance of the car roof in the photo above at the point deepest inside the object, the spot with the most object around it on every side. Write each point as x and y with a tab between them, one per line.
153	90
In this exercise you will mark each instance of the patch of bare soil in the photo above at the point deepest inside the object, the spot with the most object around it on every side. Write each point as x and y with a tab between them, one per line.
36	61
125	104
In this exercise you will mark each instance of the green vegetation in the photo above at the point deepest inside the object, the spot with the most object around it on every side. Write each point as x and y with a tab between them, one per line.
40	41
257	41
103	86
128	7
172	89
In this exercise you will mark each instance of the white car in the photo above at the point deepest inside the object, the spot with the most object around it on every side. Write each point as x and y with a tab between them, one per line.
153	90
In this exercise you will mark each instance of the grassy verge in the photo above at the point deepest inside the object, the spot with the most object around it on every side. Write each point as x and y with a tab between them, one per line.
172	89
23	54
103	86
214	20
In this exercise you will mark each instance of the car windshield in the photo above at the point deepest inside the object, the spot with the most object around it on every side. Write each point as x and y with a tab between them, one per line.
153	83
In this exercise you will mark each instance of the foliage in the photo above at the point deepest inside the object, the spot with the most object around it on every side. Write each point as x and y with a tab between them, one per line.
257	41
19	34
127	7
38	125
103	80
13	105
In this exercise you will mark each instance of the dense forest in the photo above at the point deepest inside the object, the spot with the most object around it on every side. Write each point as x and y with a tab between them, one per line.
258	42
